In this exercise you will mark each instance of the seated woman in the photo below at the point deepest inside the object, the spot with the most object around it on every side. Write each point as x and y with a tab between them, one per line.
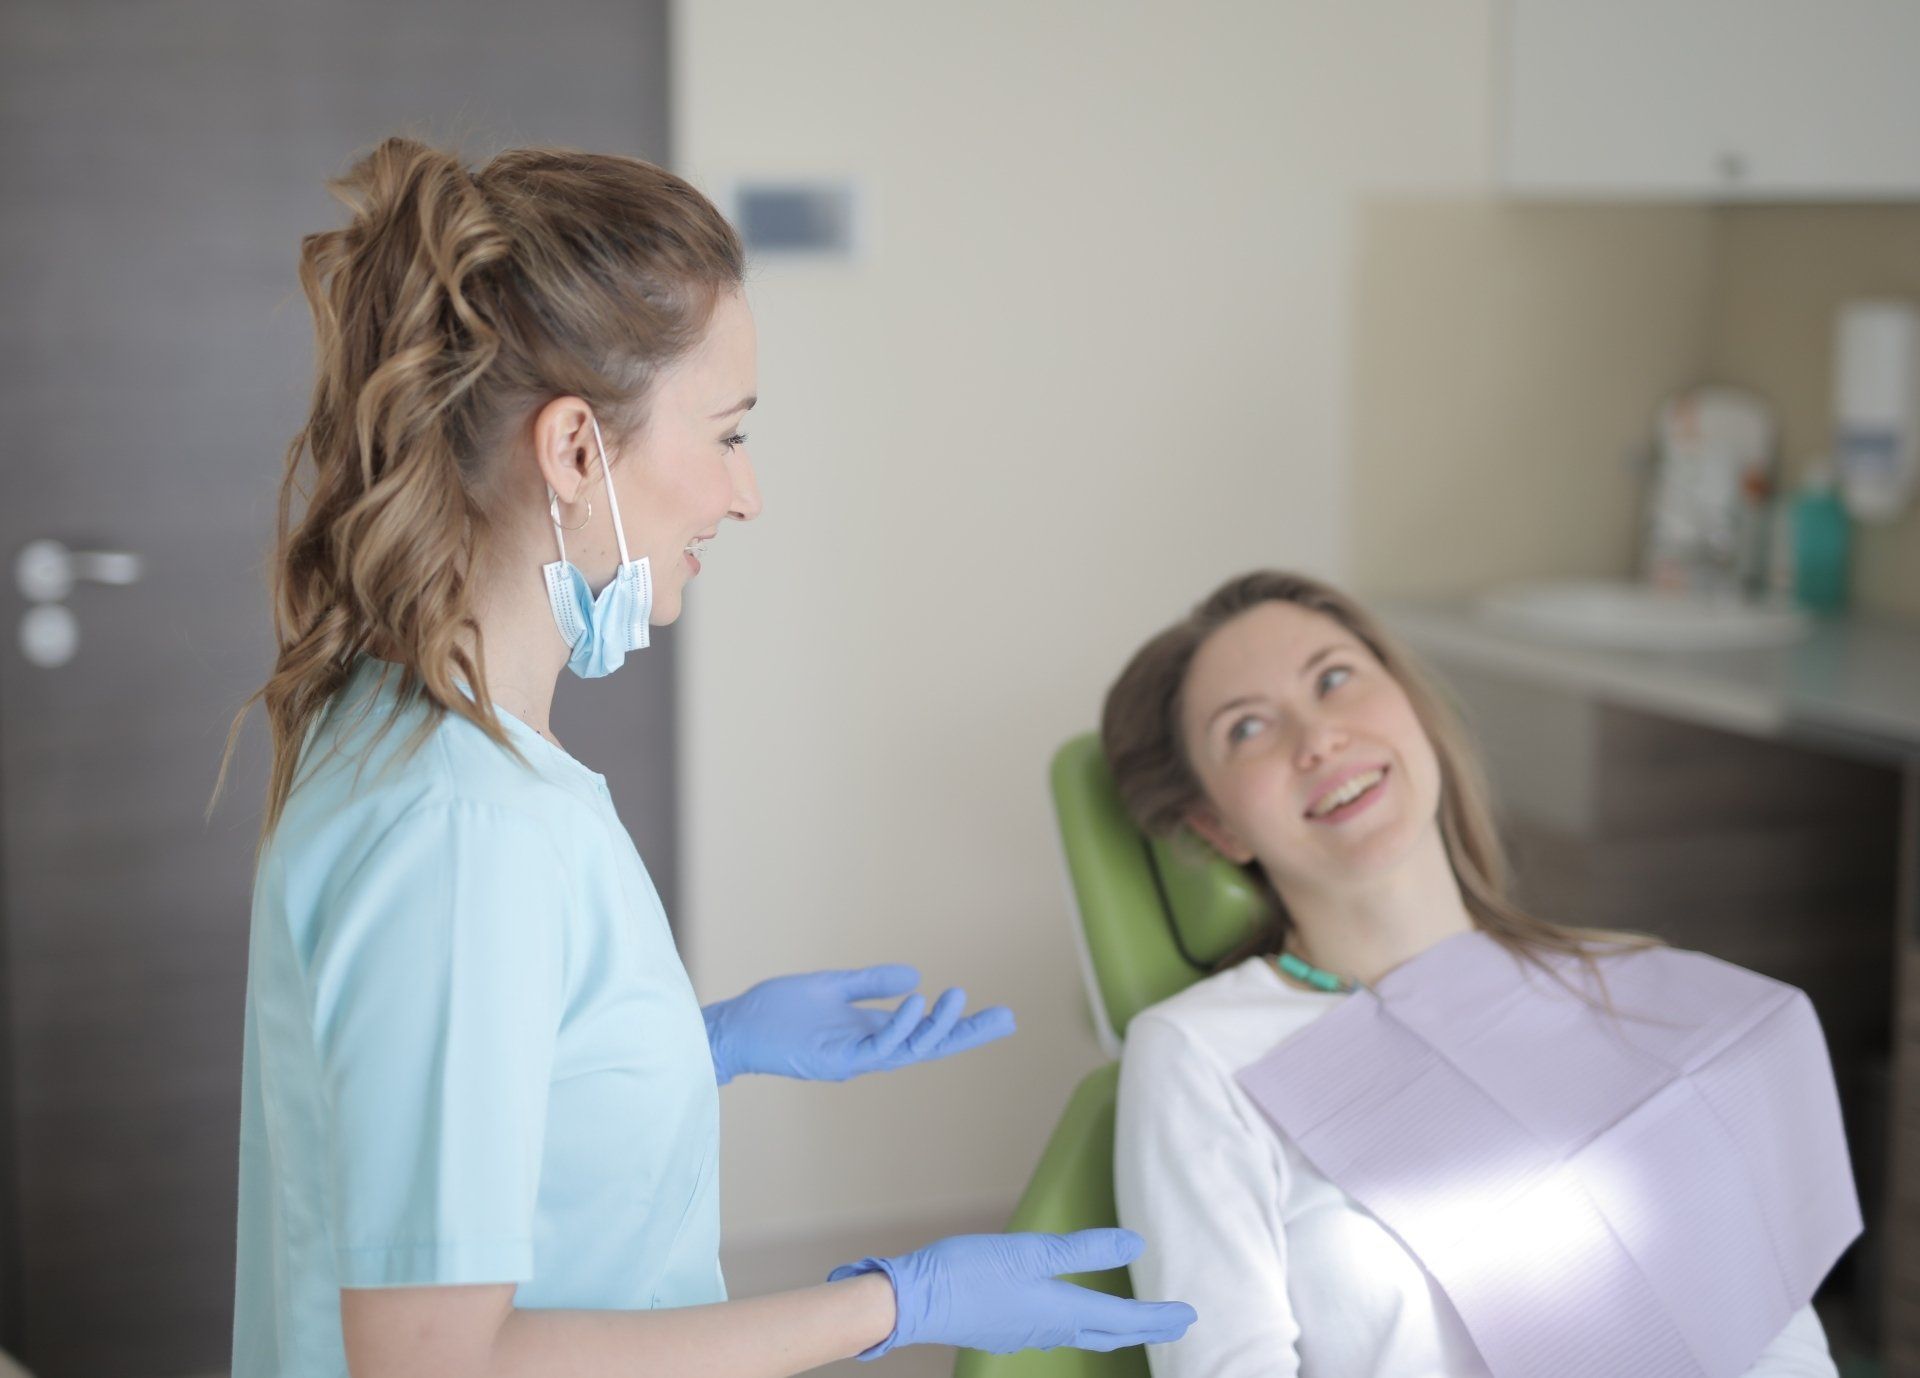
1413	1130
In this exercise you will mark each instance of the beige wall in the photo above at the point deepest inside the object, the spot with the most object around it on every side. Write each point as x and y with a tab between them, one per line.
1096	361
1780	272
1507	363
1508	360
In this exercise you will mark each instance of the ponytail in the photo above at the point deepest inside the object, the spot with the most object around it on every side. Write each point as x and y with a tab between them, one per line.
449	308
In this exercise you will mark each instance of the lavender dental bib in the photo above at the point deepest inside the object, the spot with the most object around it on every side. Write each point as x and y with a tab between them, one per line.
1655	1195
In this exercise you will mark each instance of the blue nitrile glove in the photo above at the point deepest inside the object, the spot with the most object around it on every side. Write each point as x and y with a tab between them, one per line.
809	1027
999	1292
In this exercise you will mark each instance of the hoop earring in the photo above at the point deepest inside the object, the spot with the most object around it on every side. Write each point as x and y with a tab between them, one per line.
553	514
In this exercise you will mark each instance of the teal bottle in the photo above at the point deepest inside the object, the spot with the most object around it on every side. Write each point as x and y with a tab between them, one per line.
1821	540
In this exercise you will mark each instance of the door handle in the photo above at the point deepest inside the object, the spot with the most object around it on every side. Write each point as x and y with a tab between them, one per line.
45	571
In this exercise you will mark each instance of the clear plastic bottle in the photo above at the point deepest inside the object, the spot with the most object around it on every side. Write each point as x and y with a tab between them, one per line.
1752	551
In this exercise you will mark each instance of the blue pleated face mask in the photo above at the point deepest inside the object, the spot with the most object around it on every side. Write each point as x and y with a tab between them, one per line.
600	630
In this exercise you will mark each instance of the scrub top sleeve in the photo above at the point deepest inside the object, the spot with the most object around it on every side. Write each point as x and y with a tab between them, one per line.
437	988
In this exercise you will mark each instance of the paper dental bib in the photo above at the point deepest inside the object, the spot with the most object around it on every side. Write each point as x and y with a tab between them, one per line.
1653	1195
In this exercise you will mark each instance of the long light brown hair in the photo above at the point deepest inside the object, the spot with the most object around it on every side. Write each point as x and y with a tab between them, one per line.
453	306
1146	751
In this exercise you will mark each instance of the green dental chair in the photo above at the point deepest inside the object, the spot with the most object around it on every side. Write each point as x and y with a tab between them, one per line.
1152	918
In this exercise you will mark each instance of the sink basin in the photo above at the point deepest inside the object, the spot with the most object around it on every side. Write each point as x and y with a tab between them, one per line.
1629	616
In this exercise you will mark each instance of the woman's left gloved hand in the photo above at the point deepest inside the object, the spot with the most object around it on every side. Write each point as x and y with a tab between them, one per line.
1004	1292
811	1027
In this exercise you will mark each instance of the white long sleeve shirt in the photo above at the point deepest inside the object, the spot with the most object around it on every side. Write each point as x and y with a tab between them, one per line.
1289	1274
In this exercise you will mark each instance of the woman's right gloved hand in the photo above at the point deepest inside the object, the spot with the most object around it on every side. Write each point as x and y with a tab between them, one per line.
1000	1292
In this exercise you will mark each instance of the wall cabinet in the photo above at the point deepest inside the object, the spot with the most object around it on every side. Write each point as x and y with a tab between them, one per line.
1722	100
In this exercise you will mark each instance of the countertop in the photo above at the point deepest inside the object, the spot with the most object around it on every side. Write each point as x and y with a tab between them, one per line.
1851	684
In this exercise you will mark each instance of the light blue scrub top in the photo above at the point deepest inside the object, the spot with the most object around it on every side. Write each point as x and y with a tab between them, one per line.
472	1054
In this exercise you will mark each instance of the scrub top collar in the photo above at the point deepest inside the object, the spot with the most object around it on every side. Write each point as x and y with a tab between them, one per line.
558	755
514	726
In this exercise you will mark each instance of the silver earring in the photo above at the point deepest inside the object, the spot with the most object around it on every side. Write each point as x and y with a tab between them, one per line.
553	513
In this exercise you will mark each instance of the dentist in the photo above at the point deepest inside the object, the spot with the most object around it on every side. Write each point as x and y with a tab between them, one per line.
479	1104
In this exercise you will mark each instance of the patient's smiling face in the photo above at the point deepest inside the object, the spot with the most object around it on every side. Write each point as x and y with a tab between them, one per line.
1311	755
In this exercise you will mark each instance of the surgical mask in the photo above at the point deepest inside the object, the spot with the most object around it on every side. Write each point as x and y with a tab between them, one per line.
600	630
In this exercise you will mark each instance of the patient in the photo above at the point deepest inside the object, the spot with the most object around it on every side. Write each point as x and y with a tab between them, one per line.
1261	1107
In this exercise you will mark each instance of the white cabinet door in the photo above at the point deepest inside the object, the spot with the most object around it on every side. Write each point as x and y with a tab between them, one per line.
1713	99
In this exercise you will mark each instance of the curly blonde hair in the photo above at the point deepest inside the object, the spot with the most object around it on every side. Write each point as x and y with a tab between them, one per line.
454	305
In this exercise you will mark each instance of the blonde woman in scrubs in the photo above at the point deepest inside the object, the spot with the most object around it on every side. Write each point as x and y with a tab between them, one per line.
479	1121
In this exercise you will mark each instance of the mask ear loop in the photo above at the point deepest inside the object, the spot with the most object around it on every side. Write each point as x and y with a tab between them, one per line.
613	500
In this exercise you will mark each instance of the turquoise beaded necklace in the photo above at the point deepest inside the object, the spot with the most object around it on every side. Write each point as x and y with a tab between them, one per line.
1312	975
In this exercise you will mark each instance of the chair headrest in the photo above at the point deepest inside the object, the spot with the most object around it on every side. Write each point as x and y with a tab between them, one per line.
1153	915
1213	904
